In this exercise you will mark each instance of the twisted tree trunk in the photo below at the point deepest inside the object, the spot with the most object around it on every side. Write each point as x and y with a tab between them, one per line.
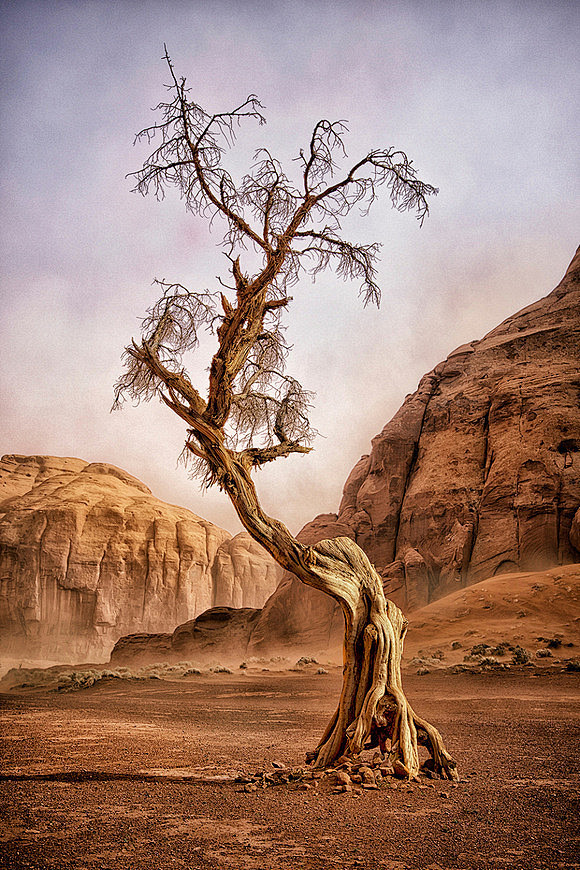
373	709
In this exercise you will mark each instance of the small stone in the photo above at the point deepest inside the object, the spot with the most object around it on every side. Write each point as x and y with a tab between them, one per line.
304	786
250	787
342	778
400	770
278	764
368	776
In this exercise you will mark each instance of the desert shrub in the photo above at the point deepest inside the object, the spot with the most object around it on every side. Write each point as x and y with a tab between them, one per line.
502	648
543	653
69	679
480	649
25	678
305	660
520	656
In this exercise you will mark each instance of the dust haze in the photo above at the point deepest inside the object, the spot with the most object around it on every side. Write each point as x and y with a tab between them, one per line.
480	97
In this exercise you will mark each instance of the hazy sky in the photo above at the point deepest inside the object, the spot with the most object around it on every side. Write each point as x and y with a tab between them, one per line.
482	95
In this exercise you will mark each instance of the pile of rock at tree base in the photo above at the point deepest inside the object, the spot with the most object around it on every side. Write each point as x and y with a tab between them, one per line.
346	776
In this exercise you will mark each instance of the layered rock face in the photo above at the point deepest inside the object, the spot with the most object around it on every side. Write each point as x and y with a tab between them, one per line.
219	636
477	474
88	554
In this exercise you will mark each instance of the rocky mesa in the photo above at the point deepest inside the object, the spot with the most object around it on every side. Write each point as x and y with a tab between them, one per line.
478	473
88	554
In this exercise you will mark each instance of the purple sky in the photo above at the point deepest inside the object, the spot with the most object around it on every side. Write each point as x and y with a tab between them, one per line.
482	96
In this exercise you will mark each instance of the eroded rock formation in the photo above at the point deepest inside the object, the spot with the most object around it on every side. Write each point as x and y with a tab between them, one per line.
88	554
479	471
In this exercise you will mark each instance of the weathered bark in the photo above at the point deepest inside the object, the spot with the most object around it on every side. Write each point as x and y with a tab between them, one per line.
372	709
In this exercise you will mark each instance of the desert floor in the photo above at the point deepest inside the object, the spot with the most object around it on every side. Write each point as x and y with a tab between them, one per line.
120	776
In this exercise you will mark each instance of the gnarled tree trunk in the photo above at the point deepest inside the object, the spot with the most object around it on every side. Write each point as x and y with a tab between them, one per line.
373	709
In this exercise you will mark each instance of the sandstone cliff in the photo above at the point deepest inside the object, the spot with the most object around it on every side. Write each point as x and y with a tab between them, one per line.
88	554
478	473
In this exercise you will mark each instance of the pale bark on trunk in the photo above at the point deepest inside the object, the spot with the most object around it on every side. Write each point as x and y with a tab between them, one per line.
372	709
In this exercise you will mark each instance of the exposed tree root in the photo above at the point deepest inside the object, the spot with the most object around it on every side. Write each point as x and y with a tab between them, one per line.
373	709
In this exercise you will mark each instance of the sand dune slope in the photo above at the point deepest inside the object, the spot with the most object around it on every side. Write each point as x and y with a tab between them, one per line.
514	608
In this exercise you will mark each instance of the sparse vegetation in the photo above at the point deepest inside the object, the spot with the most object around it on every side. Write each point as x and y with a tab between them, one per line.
305	660
520	656
73	679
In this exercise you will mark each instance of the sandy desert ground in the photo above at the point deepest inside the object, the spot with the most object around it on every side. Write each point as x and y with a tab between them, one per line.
129	773
138	774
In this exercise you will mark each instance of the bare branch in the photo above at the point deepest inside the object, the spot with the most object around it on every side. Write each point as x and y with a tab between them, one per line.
352	261
250	402
189	157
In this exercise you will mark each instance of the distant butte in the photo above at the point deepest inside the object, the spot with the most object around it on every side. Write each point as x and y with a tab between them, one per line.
88	554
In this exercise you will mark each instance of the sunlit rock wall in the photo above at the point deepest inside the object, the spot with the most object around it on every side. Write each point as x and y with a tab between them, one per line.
88	554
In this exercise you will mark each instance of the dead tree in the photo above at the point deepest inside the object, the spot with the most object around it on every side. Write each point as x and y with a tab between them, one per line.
253	412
